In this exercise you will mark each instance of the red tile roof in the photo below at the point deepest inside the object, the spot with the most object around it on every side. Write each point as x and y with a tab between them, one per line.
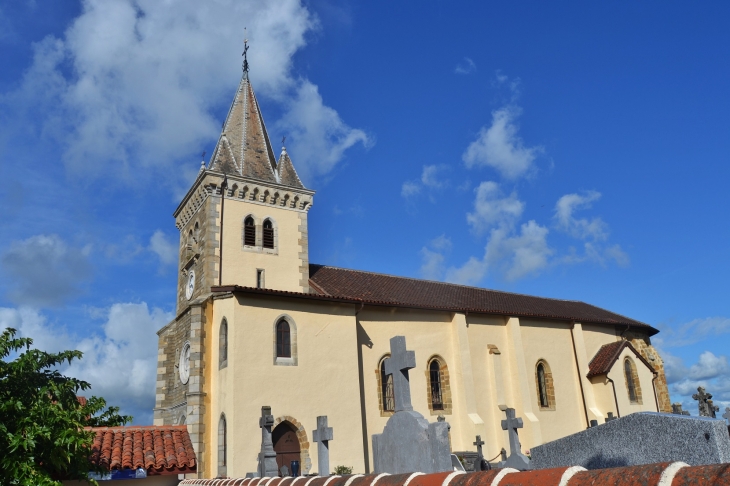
157	449
604	359
675	473
410	292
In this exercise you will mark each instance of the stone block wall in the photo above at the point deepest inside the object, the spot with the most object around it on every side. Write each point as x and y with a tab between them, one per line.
642	344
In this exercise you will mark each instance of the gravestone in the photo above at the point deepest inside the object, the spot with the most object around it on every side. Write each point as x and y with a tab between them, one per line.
726	415
479	463
322	436
267	456
610	417
516	460
637	439
704	403
284	471
677	409
408	442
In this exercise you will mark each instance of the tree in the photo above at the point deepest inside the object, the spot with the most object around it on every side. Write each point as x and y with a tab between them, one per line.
42	421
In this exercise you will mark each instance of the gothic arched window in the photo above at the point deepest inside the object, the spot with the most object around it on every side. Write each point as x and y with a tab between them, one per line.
283	340
249	232
223	344
545	390
632	381
268	234
387	401
222	446
434	375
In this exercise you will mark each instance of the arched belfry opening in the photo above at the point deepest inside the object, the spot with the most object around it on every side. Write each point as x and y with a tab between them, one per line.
286	445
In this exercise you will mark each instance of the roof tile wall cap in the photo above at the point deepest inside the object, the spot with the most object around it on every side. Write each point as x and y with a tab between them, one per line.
669	473
451	476
334	476
271	480
378	477
501	474
295	480
310	480
569	473
355	476
408	481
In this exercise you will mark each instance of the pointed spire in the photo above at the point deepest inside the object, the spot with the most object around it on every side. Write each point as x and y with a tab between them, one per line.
245	50
285	169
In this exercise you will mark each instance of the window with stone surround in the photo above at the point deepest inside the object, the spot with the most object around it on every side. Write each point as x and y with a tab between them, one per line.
268	240
249	232
285	341
438	390
386	399
633	387
545	388
223	345
222	446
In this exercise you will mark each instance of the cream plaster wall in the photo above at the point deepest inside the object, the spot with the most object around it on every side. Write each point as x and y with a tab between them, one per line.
324	382
603	391
552	342
596	336
281	265
622	393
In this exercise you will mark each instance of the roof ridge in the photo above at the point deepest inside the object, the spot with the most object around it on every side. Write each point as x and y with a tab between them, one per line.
456	285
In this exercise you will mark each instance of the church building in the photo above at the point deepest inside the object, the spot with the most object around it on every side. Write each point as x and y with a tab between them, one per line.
258	325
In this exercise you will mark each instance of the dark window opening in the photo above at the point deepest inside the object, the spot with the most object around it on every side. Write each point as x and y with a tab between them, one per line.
386	383
259	279
249	232
283	340
630	380
542	385
223	344
435	374
268	234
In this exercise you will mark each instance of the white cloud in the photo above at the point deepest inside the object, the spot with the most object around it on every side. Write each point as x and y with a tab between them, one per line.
709	366
582	228
120	364
429	179
165	249
514	256
500	146
44	270
319	137
467	66
694	331
433	258
132	83
491	208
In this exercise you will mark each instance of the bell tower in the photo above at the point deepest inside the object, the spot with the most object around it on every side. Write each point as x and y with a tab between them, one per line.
244	220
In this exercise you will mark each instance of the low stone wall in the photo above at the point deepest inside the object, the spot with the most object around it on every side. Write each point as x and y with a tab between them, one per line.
663	474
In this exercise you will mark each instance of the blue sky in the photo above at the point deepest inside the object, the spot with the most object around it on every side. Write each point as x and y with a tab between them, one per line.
574	150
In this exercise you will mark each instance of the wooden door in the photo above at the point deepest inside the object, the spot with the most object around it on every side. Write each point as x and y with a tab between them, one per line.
286	445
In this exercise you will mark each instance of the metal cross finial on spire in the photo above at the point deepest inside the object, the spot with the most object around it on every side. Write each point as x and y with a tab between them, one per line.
245	49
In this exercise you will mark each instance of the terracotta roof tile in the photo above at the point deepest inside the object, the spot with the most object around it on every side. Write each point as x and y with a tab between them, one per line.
408	292
157	449
604	359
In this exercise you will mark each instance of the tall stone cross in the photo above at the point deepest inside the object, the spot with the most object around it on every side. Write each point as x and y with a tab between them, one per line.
516	458
726	415
267	456
322	436
702	405
400	361
712	408
480	455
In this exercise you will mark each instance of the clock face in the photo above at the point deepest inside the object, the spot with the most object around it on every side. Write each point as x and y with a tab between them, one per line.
190	286
184	365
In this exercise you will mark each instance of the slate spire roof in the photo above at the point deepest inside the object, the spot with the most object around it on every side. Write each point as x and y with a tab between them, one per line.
244	147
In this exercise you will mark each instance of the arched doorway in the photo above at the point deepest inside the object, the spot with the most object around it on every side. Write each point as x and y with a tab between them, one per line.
286	445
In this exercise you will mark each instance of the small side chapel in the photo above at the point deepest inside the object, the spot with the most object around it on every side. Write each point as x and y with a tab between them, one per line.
258	324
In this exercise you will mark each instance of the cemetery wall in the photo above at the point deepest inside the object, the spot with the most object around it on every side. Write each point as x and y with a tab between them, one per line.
326	366
646	400
282	264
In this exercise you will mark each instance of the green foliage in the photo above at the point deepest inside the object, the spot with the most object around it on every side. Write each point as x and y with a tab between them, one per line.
342	470
42	436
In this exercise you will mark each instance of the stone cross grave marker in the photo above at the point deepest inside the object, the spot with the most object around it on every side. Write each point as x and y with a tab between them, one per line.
322	436
479	461
712	408
409	443
400	361
516	459
704	403
610	417
267	456
726	415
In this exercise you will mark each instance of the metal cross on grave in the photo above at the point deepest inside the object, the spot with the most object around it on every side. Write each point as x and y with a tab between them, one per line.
480	455
511	424
400	361
322	436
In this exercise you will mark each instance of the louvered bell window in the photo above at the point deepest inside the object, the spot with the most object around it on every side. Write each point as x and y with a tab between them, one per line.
268	234
249	232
